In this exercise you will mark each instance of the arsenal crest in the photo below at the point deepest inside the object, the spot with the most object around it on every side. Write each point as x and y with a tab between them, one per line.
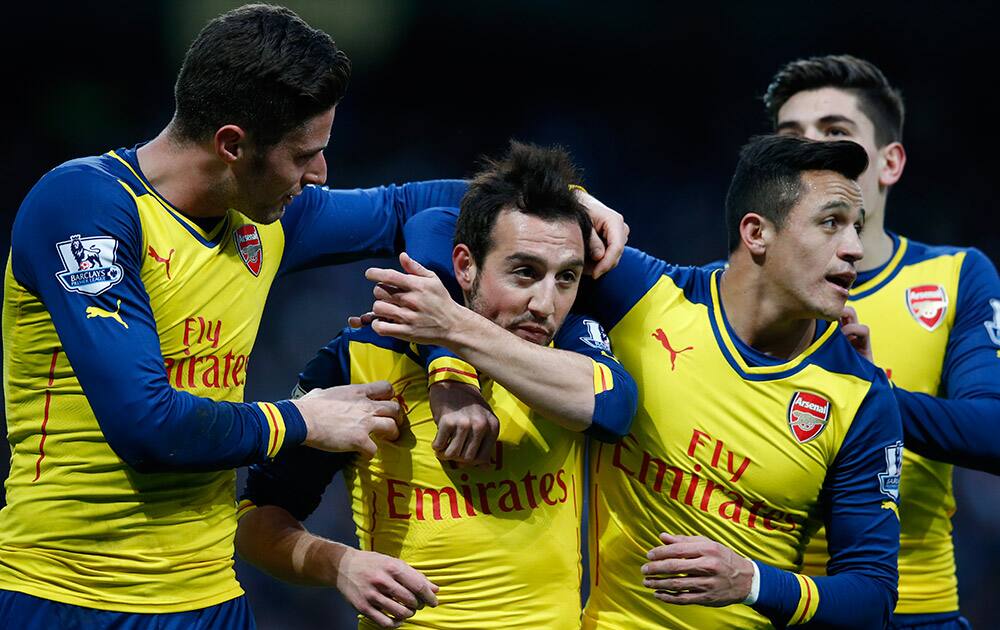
928	304
808	415
248	245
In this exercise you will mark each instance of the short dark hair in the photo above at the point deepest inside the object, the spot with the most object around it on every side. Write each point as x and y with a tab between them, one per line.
530	179
260	67
877	99
768	177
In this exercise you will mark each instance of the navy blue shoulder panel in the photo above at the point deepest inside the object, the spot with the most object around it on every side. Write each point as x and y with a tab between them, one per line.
611	297
332	364
839	356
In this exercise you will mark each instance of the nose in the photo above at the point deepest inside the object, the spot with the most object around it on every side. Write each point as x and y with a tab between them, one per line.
851	248
315	171
812	133
543	300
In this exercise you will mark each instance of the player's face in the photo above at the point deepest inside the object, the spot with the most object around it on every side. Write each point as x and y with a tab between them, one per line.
283	170
811	258
833	114
528	281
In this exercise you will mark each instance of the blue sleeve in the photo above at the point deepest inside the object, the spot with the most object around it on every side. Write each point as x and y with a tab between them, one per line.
297	478
962	426
325	227
860	510
617	398
151	426
430	238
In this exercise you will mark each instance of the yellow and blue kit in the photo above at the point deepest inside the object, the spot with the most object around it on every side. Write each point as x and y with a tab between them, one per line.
503	544
735	446
127	334
934	315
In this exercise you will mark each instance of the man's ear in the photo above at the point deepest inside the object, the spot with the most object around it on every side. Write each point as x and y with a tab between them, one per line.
464	266
892	160
756	233
230	143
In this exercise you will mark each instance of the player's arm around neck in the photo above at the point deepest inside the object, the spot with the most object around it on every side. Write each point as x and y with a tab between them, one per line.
416	307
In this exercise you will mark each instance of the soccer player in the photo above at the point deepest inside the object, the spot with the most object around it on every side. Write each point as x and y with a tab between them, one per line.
502	543
132	297
757	421
934	316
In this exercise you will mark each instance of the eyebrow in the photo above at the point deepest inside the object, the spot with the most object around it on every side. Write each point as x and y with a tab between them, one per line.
832	119
524	257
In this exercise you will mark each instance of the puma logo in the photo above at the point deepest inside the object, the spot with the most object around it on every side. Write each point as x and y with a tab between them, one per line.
96	311
662	337
166	261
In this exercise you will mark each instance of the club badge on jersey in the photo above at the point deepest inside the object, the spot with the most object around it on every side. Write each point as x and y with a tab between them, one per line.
808	415
250	248
928	304
89	264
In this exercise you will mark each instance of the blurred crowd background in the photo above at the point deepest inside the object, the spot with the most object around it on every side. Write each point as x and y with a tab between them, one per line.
654	99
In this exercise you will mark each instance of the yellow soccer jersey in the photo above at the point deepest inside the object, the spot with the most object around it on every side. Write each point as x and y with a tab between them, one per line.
127	334
502	544
933	314
752	453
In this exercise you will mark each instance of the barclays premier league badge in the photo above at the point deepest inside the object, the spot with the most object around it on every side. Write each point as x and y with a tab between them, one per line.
89	264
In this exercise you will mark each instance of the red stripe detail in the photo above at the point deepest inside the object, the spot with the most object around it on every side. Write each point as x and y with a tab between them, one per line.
597	466
455	371
274	427
604	383
45	418
52	366
572	478
805	609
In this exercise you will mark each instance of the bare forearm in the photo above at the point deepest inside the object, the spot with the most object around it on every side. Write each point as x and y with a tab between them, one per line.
277	543
556	383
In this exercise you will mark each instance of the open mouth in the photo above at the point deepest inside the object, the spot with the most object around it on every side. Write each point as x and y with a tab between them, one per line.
844	280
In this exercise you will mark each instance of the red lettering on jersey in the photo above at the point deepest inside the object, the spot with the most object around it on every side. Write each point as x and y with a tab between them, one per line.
199	330
203	371
435	496
662	338
467	500
735	470
392	494
700	491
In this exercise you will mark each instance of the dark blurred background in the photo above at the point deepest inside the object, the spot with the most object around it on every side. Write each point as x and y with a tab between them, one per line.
654	99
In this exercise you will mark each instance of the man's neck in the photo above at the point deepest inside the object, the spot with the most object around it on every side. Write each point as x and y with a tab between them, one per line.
875	241
185	174
756	314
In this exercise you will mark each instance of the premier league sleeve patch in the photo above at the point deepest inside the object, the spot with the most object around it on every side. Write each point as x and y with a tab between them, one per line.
888	481
596	337
89	264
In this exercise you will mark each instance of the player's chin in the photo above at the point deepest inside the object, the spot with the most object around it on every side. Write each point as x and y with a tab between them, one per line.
831	309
